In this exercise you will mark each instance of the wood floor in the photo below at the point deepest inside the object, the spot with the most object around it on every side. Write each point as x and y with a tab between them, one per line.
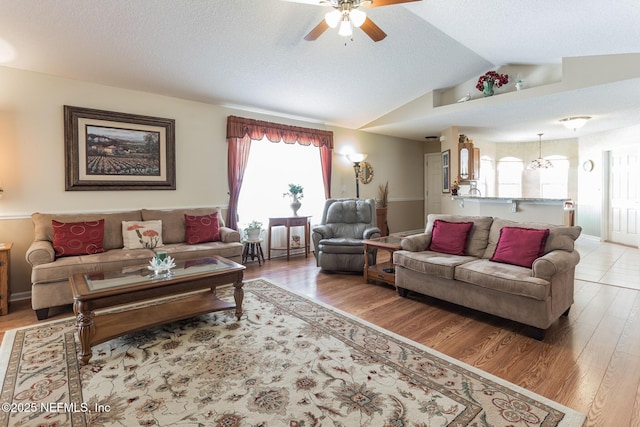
589	361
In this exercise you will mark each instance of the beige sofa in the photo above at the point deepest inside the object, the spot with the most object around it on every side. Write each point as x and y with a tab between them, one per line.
50	275
535	296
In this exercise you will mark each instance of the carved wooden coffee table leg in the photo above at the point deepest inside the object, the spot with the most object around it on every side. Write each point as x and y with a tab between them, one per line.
86	330
238	296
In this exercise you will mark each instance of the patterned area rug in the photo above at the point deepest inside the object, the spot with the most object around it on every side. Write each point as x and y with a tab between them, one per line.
289	361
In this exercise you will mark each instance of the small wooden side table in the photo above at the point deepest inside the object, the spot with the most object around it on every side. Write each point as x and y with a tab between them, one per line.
5	292
253	249
291	221
384	271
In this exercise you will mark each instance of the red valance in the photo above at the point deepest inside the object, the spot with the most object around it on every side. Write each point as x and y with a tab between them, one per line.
239	127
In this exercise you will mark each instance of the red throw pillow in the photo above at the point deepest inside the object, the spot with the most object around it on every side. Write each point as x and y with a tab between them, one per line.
200	229
449	237
78	238
520	246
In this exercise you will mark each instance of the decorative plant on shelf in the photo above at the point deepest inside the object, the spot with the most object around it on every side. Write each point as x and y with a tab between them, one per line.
489	79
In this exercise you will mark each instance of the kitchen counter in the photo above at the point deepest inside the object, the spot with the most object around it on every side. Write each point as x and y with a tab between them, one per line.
526	209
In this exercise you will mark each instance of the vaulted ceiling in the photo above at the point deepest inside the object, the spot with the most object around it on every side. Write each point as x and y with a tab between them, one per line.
250	54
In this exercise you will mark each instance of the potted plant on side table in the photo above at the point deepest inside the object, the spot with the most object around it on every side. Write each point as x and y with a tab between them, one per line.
253	230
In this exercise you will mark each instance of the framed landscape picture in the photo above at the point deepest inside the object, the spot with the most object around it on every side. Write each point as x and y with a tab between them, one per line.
445	170
105	150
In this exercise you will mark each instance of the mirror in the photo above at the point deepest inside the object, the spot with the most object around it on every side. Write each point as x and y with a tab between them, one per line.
366	172
464	163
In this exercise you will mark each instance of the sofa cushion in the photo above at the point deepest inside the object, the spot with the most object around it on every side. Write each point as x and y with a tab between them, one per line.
200	229
341	245
520	246
173	225
449	237
478	236
508	278
142	234
78	238
560	237
63	268
182	251
112	225
430	262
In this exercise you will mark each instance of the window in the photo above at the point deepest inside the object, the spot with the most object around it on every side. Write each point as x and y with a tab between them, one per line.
510	177
554	182
270	169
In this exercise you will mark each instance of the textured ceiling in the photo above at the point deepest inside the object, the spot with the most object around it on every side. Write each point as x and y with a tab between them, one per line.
251	55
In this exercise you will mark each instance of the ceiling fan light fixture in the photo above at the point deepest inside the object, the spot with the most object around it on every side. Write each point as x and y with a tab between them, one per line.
575	122
332	18
357	17
345	27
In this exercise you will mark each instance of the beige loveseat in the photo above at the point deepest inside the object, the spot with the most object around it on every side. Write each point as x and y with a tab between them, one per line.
535	296
50	274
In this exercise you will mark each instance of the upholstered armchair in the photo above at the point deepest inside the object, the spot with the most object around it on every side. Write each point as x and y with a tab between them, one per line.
338	239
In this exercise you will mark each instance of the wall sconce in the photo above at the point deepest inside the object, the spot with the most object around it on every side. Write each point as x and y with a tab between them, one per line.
575	122
357	158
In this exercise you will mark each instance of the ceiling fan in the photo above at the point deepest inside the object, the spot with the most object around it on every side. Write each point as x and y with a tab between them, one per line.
346	15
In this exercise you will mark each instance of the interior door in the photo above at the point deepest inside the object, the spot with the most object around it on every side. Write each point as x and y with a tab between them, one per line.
432	183
624	199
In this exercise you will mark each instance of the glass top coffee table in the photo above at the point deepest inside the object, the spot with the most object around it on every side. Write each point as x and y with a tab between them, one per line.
93	291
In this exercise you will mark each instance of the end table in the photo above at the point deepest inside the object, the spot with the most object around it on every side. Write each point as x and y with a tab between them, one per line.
253	249
5	292
384	271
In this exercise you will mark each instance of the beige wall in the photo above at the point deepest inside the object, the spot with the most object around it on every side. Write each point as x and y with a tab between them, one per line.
32	158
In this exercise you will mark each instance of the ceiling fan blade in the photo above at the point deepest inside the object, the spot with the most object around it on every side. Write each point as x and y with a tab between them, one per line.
378	3
317	31
373	30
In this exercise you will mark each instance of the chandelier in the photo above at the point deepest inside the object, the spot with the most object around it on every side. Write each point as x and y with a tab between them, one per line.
540	163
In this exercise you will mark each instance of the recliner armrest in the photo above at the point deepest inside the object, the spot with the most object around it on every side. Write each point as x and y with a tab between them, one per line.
371	233
324	231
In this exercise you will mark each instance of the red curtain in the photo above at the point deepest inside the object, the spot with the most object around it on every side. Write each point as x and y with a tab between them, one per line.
240	132
237	157
325	163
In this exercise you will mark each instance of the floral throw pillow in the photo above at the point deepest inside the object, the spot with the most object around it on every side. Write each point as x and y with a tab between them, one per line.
142	234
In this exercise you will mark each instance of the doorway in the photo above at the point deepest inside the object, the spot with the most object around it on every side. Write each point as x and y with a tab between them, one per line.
623	198
432	184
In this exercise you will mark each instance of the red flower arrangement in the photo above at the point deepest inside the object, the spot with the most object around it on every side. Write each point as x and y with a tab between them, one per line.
492	77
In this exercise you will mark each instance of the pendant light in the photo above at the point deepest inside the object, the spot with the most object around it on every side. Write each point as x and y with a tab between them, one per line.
540	163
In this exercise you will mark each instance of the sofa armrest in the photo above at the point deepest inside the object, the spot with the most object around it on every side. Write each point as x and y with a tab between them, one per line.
371	233
40	252
416	242
554	262
229	235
